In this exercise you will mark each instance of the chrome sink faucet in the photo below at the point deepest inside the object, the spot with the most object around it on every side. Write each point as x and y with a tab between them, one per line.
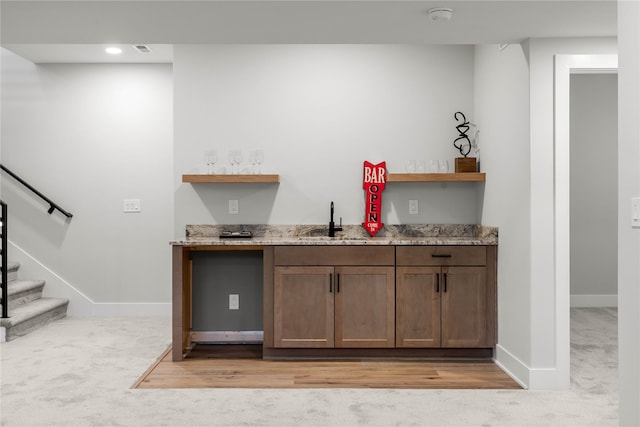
332	225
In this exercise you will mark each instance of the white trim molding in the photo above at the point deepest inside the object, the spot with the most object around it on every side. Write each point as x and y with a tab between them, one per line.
512	366
594	301
80	305
564	66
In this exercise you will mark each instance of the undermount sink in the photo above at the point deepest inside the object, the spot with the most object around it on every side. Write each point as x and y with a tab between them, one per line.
327	238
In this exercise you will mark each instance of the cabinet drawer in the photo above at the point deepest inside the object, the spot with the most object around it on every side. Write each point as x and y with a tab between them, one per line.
441	255
334	255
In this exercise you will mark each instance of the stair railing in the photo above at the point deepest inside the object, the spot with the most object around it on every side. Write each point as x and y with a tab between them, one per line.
5	262
52	206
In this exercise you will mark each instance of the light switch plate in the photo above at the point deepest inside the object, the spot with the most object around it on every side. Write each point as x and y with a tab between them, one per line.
233	207
131	206
635	212
234	302
413	207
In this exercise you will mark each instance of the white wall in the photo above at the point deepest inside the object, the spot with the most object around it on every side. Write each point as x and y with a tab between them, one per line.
289	100
594	195
628	186
89	136
502	105
319	111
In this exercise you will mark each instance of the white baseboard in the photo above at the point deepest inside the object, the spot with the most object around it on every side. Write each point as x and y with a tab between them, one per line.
583	301
56	286
80	305
131	309
547	379
512	366
530	378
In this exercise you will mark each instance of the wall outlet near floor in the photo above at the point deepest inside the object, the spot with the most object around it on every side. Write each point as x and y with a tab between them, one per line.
233	207
413	207
635	212
234	302
131	206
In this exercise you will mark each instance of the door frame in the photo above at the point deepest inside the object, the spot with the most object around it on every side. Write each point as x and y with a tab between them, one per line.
564	66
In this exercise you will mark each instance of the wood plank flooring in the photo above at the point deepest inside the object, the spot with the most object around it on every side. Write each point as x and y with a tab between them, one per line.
241	366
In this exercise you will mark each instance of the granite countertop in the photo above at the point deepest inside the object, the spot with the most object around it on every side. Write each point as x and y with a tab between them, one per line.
316	235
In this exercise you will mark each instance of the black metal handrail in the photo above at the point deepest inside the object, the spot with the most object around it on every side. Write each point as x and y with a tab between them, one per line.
5	262
52	206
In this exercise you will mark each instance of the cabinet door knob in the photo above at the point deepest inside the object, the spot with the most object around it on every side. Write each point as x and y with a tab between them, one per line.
437	282
337	282
441	255
445	281
330	283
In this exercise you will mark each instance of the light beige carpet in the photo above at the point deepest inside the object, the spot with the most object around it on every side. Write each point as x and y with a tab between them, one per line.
78	372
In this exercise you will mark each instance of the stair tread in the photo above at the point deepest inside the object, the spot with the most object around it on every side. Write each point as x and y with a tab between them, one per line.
34	308
18	286
12	265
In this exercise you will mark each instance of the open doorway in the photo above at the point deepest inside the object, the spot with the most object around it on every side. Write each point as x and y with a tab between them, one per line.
594	231
565	67
594	189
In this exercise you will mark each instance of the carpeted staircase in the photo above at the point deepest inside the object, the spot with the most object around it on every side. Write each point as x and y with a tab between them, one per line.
27	309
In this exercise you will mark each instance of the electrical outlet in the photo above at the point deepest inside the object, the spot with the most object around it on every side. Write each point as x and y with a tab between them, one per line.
635	212
413	207
234	302
233	207
131	206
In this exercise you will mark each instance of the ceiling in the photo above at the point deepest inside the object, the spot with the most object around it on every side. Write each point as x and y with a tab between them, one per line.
77	31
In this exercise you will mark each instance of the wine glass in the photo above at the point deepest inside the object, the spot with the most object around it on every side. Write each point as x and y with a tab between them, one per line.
443	166
237	157
259	158
232	161
210	159
252	160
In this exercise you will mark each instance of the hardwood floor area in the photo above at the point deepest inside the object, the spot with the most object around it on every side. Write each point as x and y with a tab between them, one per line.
241	366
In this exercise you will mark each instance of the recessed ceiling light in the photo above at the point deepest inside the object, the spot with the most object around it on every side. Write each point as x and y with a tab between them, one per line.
113	50
440	14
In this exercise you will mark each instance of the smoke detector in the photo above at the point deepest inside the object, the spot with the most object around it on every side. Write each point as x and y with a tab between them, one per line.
440	14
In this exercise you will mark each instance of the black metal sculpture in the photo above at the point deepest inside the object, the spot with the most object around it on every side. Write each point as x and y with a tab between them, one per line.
462	142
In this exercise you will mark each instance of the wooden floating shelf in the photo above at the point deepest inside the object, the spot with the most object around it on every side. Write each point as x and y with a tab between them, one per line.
436	177
203	178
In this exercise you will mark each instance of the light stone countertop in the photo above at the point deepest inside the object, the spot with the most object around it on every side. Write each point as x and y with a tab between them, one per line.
353	235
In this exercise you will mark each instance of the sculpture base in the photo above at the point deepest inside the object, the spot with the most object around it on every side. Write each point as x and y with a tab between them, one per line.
466	164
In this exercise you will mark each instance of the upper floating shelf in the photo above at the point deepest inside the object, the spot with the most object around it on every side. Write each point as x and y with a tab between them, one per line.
231	178
436	177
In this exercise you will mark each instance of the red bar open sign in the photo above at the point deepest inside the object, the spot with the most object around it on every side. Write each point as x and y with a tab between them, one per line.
373	182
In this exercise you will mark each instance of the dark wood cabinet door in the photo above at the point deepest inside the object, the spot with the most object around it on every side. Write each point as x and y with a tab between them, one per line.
418	307
464	307
303	307
365	307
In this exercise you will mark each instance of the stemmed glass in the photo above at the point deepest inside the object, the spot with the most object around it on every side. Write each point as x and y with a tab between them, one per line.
259	158
232	161
210	158
237	157
252	160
